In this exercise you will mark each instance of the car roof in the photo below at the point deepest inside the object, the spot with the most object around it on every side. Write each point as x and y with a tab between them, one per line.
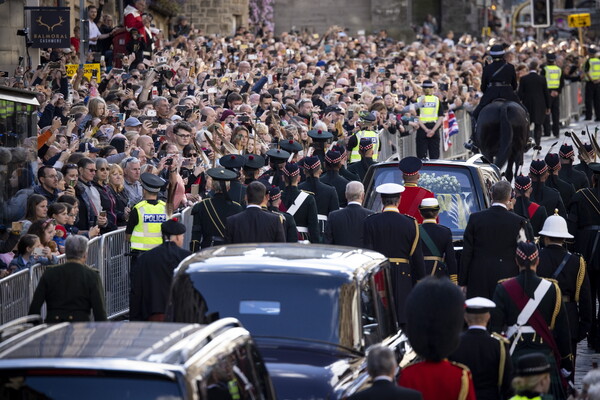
291	258
168	343
473	162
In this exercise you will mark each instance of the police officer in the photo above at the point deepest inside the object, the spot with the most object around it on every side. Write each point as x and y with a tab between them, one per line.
274	174
565	188
498	81
300	204
252	165
436	241
486	355
333	163
366	124
325	195
361	167
535	213
396	236
211	213
430	120
567	172
274	200
591	69
570	272
413	193
584	224
237	191
146	217
543	325
542	194
151	276
555	82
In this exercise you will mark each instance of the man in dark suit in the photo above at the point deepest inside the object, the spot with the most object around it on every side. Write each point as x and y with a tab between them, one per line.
490	242
534	94
381	365
152	274
255	225
70	290
486	355
345	226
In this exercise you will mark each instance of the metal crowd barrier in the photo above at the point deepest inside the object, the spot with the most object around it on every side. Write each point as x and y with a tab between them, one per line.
571	102
94	255
115	272
15	296
188	221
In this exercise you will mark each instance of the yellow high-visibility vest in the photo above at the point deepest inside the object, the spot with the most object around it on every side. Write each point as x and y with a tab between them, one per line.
355	155
147	234
594	71
553	74
430	108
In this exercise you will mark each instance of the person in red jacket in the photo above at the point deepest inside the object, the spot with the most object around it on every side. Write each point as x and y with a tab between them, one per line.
434	313
133	18
413	194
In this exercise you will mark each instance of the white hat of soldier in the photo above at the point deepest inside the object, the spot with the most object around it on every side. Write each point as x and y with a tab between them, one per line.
479	305
389	189
555	226
430	203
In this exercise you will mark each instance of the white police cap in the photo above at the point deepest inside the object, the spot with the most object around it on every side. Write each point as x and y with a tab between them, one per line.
389	189
479	305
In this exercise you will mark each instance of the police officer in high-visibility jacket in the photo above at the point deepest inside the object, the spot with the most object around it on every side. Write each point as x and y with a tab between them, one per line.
430	120
143	226
555	83
366	123
591	68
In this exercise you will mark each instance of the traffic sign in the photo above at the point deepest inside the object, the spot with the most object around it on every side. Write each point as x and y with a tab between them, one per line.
579	20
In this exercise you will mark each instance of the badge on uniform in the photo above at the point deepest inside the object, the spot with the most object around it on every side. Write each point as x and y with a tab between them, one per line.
155	218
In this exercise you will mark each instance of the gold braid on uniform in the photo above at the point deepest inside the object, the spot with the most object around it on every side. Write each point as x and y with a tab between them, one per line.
580	278
464	380
557	305
454	278
414	246
502	361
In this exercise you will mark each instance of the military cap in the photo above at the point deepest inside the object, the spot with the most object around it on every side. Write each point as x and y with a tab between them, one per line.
290	146
152	183
365	144
340	149
253	161
278	156
522	182
172	227
274	192
435	311
389	189
367	116
319	135
312	162
291	169
527	251
595	167
232	161
532	364
538	167
552	160
566	151
427	84
497	50
555	226
333	157
410	165
429	204
589	148
221	174
479	305
551	57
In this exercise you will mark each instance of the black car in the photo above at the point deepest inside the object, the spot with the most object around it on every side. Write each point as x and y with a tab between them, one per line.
131	360
461	187
312	311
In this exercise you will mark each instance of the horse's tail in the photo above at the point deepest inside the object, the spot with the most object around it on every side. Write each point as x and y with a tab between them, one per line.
506	136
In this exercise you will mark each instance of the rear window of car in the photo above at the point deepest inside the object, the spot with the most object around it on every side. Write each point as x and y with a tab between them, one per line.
59	384
452	186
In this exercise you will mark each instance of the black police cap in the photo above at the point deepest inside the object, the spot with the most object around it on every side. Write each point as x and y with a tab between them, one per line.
367	116
532	364
221	174
172	227
232	161
254	161
152	183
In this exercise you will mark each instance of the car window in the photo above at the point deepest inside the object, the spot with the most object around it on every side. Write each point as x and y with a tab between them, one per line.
88	384
271	304
381	288
452	186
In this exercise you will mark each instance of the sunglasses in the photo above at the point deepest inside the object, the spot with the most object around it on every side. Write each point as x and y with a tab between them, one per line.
193	154
103	169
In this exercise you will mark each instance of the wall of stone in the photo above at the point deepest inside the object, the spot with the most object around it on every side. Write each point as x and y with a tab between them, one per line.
217	16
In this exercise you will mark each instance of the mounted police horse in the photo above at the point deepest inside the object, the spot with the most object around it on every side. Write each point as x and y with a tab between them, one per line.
502	134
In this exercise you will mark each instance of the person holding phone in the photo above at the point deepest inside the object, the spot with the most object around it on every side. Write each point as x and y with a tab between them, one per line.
29	252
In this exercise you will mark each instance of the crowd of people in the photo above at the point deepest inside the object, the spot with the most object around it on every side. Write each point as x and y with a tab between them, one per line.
291	124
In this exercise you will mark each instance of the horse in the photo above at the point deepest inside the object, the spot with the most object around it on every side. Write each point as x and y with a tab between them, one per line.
502	134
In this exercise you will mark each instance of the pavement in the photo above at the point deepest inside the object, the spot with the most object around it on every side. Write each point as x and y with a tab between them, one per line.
586	360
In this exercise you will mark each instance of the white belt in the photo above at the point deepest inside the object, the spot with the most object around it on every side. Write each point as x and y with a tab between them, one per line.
523	329
322	217
302	229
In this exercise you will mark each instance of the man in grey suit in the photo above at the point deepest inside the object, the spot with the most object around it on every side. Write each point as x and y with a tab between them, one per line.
345	226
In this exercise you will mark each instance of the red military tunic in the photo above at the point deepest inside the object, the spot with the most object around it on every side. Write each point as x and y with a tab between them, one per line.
411	199
442	380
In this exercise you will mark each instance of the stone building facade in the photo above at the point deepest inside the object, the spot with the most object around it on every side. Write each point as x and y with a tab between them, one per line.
217	16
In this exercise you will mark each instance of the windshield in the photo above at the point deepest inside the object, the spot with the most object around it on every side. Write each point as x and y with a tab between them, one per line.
452	186
89	384
275	304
